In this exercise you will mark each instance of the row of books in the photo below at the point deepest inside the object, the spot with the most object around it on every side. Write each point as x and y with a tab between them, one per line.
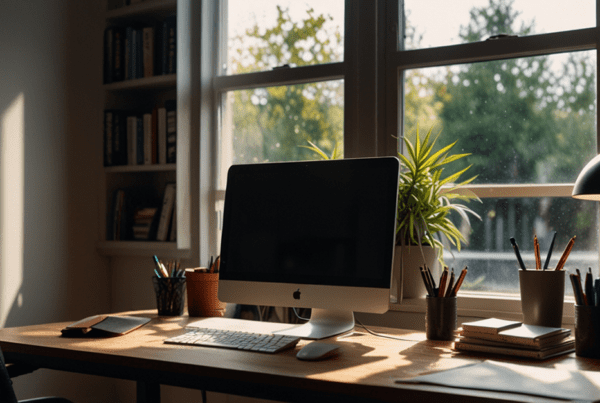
513	338
140	138
134	52
136	215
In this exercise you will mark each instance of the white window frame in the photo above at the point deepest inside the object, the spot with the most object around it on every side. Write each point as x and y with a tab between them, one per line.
372	70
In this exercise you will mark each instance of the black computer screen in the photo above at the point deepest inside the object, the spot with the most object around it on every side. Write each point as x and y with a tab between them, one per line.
319	222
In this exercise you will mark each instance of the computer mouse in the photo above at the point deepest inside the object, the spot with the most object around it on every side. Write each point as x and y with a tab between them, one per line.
317	351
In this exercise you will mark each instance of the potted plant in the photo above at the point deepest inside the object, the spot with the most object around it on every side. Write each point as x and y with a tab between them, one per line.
425	201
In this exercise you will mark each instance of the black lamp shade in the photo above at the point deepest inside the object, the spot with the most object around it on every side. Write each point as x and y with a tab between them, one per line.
587	185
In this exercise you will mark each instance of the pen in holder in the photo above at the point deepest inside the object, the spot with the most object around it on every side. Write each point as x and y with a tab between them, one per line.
169	295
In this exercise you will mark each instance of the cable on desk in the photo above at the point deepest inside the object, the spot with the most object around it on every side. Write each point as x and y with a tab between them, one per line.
388	336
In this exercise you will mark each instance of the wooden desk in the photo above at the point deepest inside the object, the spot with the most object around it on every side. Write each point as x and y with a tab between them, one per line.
365	370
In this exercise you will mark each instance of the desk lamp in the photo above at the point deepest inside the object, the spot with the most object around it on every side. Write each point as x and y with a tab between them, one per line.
587	185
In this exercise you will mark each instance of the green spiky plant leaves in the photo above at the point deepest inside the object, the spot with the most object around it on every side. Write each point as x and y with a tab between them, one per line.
425	199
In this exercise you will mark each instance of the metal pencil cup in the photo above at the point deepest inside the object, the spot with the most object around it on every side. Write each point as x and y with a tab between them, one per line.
170	293
587	331
542	296
440	318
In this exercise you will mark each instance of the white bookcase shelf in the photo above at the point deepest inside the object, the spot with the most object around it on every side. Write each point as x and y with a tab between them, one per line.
141	95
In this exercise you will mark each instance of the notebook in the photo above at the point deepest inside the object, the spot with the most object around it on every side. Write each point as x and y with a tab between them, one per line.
104	325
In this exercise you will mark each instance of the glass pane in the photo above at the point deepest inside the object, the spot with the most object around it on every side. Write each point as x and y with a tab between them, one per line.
490	257
279	123
528	120
263	34
455	22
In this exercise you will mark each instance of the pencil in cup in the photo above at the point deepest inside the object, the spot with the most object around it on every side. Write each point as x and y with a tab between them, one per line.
447	287
563	259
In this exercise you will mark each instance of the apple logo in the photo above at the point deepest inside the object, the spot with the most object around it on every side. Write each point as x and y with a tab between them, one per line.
296	294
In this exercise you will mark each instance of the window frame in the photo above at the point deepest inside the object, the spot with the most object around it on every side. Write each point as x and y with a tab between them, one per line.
399	60
373	71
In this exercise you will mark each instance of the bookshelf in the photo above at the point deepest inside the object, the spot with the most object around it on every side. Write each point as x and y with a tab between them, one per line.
143	161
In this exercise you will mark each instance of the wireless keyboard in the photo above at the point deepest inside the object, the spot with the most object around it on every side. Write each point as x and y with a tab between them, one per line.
261	342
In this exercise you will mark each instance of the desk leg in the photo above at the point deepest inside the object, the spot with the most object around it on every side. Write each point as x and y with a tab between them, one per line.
148	392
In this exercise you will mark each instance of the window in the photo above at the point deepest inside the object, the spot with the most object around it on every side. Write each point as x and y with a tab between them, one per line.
517	89
279	119
515	85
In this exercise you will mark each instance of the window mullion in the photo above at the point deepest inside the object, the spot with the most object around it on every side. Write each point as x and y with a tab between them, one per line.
535	45
523	190
281	76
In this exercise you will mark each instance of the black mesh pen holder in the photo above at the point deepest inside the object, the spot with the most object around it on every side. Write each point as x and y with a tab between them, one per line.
170	292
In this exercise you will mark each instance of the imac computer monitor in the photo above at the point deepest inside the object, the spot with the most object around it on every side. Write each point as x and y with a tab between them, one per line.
316	234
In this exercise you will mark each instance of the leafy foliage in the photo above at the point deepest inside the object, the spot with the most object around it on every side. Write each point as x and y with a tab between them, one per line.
425	199
523	120
269	123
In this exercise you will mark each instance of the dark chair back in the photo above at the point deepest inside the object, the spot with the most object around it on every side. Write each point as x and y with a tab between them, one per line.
7	394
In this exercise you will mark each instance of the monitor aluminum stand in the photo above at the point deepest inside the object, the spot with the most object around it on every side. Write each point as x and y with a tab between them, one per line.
323	323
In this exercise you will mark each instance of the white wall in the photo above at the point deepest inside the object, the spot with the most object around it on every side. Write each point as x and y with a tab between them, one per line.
50	162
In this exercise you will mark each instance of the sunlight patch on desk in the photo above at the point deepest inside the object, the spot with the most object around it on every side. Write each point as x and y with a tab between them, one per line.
39	333
12	162
168	326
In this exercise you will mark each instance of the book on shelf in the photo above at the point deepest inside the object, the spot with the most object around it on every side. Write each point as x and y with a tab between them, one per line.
118	54
114	54
119	138
148	51
139	140
115	138
132	138
169	45
521	340
133	52
133	215
154	136
127	52
118	221
161	126
144	223
171	108
147	139
139	50
166	212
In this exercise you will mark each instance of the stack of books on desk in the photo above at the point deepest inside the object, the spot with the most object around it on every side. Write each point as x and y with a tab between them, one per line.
497	336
